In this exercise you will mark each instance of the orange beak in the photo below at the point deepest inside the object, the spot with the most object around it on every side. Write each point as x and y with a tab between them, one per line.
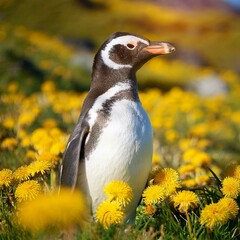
159	48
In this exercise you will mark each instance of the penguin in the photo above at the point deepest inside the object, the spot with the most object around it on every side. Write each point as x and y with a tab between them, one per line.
113	138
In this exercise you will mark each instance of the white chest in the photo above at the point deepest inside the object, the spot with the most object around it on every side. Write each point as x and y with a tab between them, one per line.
123	151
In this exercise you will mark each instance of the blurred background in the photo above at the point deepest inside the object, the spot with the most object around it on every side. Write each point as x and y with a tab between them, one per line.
57	39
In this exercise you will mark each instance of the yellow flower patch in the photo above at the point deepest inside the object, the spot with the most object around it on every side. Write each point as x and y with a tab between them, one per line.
9	143
218	213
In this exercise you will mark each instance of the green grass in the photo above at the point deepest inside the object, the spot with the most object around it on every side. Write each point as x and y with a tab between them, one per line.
213	35
166	222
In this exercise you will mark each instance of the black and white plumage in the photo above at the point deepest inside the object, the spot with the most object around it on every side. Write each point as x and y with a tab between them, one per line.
113	138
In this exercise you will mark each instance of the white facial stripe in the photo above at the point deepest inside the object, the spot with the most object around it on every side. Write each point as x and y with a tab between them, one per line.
93	113
124	40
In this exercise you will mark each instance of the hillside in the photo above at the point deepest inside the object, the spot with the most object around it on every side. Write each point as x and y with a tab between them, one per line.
210	35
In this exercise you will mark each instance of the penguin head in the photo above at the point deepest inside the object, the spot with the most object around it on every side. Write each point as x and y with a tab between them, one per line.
128	51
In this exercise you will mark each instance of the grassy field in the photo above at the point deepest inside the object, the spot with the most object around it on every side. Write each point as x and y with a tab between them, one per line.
213	35
194	186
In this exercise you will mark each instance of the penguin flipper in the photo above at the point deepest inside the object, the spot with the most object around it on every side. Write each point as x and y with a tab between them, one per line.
72	156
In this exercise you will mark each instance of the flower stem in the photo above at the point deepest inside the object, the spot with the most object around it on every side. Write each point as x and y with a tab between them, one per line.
53	179
189	227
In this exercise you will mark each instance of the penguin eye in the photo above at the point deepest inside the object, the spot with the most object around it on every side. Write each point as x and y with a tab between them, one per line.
130	46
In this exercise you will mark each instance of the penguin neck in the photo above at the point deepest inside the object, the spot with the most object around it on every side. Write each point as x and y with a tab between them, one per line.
104	78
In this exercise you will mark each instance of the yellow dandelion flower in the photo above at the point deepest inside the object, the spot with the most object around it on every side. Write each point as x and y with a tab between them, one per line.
26	118
44	140
30	154
153	194
9	143
52	158
156	158
184	200
48	86
6	178
60	210
196	157
189	154
201	159
41	140
235	117
109	213
119	191
231	187
219	213
186	169
171	135
39	167
199	130
186	143
168	178
55	132
230	205
25	141
49	123
58	147
189	182
203	143
202	179
199	171
22	173
213	215
9	123
28	190
236	172
149	209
